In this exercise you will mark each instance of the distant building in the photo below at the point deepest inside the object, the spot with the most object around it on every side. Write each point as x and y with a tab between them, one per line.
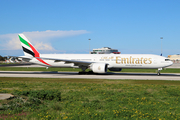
175	58
105	50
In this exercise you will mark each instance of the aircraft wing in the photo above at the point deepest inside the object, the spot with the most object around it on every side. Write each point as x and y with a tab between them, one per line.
76	62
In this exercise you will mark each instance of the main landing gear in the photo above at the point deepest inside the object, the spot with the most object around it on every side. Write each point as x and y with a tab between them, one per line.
159	70
85	73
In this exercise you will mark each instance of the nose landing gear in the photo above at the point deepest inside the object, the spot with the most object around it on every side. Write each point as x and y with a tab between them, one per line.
159	70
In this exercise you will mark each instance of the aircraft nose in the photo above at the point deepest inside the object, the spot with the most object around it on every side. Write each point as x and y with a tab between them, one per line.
171	63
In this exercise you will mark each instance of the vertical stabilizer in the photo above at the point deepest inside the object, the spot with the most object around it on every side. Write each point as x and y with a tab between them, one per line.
27	47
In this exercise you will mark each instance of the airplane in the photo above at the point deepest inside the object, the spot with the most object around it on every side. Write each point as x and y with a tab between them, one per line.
97	63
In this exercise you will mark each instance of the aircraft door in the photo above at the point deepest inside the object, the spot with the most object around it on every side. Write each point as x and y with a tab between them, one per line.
95	59
155	60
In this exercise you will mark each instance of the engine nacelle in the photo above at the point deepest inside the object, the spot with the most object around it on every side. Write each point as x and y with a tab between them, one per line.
115	69
99	67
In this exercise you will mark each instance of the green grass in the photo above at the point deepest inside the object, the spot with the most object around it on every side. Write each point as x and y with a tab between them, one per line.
90	99
167	70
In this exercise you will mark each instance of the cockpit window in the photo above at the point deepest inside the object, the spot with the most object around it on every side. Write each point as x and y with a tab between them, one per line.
167	60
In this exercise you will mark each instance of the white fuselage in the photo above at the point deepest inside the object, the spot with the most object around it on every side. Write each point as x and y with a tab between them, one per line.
113	60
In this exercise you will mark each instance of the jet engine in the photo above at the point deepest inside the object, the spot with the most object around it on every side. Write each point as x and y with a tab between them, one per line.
99	67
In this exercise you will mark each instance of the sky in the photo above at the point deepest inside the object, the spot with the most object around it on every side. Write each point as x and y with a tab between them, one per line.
65	26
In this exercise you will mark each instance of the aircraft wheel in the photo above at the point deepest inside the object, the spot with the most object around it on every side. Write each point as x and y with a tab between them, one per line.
82	73
86	73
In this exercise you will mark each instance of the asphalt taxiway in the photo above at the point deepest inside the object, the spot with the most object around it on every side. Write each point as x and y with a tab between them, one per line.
124	76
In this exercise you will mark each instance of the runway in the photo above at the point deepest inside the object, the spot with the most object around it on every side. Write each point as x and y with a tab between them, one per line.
124	76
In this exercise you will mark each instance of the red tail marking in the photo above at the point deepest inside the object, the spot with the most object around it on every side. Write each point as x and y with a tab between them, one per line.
36	54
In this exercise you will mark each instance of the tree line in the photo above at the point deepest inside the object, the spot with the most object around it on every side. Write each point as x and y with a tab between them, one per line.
3	58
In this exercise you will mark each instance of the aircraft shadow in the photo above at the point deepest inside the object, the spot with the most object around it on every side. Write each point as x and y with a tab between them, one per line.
76	73
144	74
